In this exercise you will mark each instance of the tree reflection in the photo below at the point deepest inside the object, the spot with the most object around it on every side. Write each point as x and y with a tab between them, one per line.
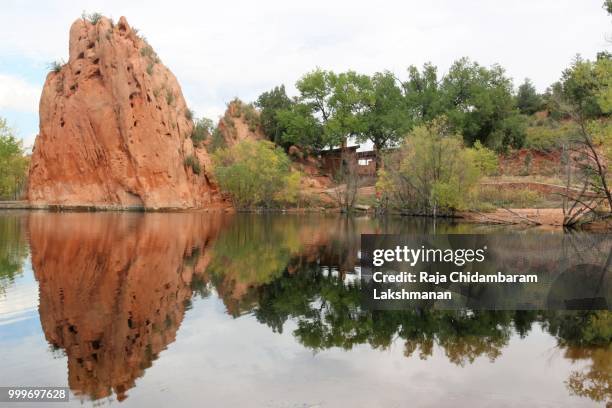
13	249
249	253
586	336
306	278
328	314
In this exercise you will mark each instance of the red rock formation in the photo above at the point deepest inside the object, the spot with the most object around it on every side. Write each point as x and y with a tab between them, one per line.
115	129
113	289
240	122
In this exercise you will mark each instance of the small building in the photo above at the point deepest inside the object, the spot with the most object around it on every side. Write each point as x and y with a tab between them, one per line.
331	160
364	162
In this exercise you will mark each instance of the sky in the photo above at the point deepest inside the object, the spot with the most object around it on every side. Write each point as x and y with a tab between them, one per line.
220	50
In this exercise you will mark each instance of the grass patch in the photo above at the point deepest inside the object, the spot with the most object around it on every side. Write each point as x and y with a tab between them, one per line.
188	114
492	196
169	97
93	18
56	66
194	163
148	52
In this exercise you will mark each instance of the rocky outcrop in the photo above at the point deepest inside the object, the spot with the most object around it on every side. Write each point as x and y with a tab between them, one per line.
115	129
240	122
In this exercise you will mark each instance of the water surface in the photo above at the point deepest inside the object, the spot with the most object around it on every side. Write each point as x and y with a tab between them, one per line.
264	310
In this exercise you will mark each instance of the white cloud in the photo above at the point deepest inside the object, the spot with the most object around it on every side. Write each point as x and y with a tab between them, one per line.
17	94
219	50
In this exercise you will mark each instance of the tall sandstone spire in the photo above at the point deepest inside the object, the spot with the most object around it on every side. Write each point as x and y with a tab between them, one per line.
115	129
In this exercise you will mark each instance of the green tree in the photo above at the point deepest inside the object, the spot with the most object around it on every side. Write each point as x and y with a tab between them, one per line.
585	87
423	94
585	96
551	99
256	173
301	127
13	163
329	108
480	105
432	172
527	99
270	104
386	118
351	94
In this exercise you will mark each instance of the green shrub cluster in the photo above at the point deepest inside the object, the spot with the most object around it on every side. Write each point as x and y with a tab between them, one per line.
201	130
229	121
148	52
217	140
251	117
56	66
169	97
433	172
485	159
188	114
93	18
193	162
548	135
256	174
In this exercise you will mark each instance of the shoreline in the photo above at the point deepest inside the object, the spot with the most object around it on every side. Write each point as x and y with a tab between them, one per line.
24	205
533	217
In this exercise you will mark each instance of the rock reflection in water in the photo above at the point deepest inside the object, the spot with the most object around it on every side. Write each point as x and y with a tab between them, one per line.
113	289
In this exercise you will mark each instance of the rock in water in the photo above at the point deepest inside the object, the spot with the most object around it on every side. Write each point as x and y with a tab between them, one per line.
115	129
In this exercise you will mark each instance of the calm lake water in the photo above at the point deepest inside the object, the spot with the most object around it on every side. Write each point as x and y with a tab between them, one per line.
262	311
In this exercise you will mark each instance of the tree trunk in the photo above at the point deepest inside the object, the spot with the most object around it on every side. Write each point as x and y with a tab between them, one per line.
378	157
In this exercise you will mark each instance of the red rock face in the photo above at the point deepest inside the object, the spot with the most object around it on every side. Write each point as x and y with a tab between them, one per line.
114	129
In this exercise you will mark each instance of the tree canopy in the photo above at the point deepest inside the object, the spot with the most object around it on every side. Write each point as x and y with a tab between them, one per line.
528	101
13	163
480	105
385	119
270	103
330	108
